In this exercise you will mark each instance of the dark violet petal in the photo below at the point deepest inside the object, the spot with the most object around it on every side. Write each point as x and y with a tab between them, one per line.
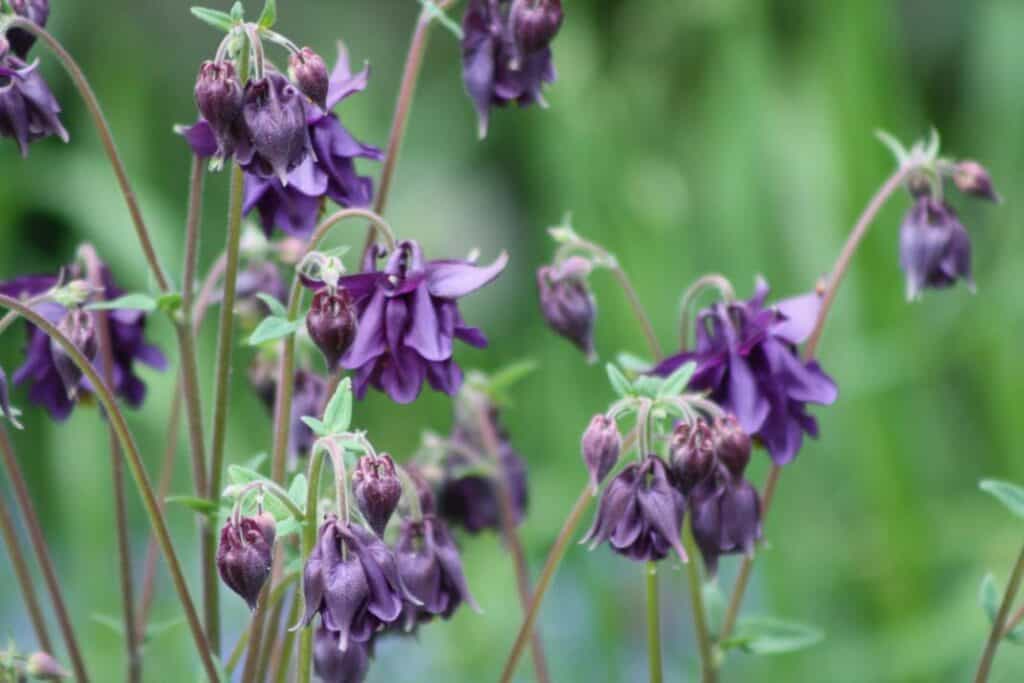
343	83
402	377
745	398
424	335
445	376
369	342
200	138
454	279
27	285
359	286
799	315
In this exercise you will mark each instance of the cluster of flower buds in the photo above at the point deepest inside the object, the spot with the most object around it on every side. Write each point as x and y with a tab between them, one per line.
567	303
245	555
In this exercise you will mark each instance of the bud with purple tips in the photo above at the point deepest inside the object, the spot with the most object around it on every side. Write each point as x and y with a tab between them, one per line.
78	326
567	303
377	489
245	555
973	179
41	666
335	665
691	455
309	72
726	517
600	446
36	11
732	444
218	96
275	116
535	23
935	249
331	323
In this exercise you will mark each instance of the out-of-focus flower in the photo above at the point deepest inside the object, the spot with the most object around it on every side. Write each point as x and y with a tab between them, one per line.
973	179
28	109
935	249
600	447
567	303
430	567
37	11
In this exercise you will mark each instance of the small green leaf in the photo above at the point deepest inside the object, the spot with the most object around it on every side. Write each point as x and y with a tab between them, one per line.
237	12
275	306
768	636
618	381
113	623
988	596
510	374
338	414
256	461
675	383
218	20
439	14
273	327
237	474
169	303
894	146
128	302
269	14
1010	495
318	427
648	385
201	505
298	490
287	527
634	365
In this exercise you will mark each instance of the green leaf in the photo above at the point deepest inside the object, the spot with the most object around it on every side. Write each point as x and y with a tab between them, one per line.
1010	495
634	365
894	146
318	427
255	461
768	636
237	12
675	383
113	623
439	14
338	414
269	14
298	490
618	381
275	306
169	303
989	596
648	385
201	505
219	20
287	527
129	302
237	474
511	374
273	327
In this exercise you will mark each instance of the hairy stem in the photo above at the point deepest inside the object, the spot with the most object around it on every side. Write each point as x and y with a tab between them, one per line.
21	573
134	459
999	623
653	624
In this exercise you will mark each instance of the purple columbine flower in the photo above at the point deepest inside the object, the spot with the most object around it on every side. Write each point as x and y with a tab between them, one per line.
507	58
568	305
408	320
747	359
640	513
245	555
377	490
28	109
37	11
935	249
127	337
335	665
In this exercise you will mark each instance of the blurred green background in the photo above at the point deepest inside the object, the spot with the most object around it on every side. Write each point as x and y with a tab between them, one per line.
727	135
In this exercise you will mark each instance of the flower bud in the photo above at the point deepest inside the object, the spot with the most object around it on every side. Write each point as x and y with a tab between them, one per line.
275	116
245	555
973	179
309	72
331	323
377	490
78	326
732	444
219	99
535	23
692	455
567	304
37	11
43	667
600	445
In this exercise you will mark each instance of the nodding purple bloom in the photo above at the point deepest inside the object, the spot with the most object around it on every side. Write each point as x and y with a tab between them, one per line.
245	555
377	490
309	72
430	567
79	327
329	173
332	323
334	665
747	359
408	320
935	249
726	516
692	455
274	112
37	11
501	64
356	593
600	447
567	303
28	109
640	513
127	328
218	95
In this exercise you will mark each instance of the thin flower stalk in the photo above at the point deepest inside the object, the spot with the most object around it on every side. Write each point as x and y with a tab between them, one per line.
24	578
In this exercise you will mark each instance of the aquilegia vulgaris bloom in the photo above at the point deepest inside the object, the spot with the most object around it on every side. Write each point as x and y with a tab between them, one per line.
935	249
28	110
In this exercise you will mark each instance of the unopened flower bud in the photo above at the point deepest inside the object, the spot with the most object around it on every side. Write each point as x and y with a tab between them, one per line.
275	116
309	72
692	455
601	445
566	302
37	11
331	323
245	555
43	667
732	444
218	95
535	23
377	490
78	326
973	179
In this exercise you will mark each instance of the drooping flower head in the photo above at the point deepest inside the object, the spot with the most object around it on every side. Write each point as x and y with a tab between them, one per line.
38	11
127	337
747	359
408	320
935	248
600	448
640	513
377	490
28	109
506	53
567	303
245	555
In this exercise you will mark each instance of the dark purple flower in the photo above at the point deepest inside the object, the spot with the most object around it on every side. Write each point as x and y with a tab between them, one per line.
691	455
377	490
600	447
335	665
640	513
973	179
245	555
430	567
567	303
218	95
127	328
28	110
331	323
726	516
935	249
747	359
496	67
357	592
275	117
37	11
309	72
79	327
409	318
535	23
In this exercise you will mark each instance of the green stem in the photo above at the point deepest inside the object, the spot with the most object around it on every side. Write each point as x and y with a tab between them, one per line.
138	470
21	573
708	665
284	655
999	623
309	529
653	624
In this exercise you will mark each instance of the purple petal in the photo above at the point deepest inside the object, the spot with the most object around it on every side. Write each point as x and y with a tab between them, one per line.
454	279
200	138
424	334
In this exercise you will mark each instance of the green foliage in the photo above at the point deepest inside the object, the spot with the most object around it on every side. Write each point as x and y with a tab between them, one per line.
219	20
273	328
268	17
1010	495
769	636
131	302
989	596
